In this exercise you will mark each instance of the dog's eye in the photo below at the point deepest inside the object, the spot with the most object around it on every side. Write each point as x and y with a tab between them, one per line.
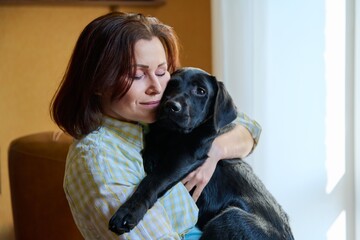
199	91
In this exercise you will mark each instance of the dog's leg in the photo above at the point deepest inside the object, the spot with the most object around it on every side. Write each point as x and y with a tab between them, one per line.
133	210
235	223
149	190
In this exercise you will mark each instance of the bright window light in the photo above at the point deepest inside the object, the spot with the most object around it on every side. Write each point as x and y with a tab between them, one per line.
337	231
335	92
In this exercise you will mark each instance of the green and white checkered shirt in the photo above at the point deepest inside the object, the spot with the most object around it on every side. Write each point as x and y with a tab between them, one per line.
104	168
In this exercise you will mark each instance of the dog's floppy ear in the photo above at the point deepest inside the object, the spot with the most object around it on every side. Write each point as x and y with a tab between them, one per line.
224	110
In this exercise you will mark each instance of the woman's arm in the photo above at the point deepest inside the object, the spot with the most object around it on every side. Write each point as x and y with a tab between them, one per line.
237	143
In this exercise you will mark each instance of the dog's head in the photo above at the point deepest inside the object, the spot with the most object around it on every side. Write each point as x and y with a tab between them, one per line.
193	97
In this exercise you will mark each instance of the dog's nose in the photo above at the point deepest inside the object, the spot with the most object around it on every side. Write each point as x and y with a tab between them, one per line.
173	106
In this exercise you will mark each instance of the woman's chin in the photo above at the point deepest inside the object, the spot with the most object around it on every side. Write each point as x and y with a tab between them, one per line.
149	120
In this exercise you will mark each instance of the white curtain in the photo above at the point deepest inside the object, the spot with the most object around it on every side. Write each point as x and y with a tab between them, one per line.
357	114
294	67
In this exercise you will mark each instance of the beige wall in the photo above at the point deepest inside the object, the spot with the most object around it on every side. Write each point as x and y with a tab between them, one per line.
35	46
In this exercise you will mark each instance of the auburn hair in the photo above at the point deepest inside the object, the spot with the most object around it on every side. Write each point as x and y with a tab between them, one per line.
102	62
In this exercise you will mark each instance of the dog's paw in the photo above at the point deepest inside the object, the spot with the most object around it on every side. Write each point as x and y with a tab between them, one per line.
122	221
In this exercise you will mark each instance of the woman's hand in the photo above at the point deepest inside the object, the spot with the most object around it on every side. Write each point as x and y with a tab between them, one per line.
200	177
236	143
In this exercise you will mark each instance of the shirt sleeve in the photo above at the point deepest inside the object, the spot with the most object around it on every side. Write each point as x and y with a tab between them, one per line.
96	186
251	125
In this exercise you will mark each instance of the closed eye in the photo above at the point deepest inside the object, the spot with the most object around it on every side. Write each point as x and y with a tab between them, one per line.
160	74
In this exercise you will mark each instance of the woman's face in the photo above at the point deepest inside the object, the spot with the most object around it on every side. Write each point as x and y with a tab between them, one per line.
140	102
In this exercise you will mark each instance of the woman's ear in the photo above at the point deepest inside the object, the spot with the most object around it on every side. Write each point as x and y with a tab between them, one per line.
224	110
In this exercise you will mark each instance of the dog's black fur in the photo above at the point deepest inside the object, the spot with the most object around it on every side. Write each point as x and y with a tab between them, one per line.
234	204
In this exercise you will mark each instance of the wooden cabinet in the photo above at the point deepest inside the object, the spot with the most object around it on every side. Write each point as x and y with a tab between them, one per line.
88	2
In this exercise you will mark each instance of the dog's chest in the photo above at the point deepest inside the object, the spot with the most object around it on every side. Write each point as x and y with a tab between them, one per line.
169	150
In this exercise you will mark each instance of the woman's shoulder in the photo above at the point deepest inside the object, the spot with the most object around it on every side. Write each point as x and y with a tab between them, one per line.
108	144
92	141
103	151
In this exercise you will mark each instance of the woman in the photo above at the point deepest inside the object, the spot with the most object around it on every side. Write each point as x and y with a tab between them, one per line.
117	74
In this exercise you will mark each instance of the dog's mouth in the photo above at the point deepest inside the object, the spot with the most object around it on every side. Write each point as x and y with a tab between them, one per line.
181	124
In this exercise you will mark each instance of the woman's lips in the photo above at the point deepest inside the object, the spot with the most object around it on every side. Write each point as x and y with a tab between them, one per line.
151	104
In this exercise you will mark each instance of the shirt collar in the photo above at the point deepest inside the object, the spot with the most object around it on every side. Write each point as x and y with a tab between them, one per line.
131	132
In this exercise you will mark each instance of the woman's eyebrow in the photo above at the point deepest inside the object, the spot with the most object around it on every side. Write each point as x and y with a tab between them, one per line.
146	66
141	66
162	64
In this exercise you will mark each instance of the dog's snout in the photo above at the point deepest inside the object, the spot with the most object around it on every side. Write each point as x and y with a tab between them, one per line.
173	106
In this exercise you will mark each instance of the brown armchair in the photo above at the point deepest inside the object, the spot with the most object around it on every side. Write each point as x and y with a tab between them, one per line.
36	171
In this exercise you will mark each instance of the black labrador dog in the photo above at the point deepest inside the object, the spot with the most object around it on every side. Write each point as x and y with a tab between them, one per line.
235	204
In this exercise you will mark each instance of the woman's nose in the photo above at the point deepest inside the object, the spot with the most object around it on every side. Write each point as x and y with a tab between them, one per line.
154	86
